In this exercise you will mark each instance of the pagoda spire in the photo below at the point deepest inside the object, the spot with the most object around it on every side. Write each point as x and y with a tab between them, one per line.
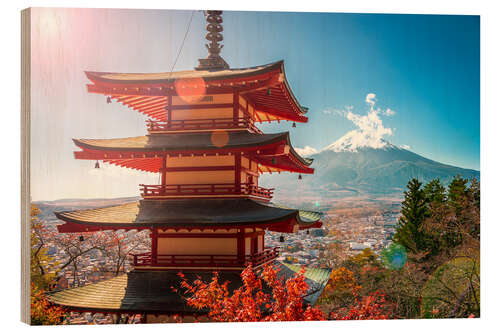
214	61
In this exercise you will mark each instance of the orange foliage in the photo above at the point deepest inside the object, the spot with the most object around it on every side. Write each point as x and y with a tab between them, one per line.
250	302
342	280
283	301
42	312
373	306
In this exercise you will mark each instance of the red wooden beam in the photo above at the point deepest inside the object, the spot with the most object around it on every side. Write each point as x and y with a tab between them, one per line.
282	114
151	100
127	98
152	106
169	108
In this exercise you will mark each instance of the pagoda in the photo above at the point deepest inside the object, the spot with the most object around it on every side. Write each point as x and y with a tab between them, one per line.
208	212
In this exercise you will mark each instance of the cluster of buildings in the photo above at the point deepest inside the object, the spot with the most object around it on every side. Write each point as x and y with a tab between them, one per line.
351	234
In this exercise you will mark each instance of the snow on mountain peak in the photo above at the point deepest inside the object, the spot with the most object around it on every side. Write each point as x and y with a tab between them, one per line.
355	140
370	129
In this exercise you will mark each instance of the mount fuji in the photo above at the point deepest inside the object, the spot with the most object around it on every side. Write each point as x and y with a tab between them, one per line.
363	165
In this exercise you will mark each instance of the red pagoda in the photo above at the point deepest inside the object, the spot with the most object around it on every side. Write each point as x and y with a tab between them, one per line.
208	212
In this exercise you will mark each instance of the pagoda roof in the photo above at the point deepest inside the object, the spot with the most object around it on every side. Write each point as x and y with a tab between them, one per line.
189	214
268	149
265	87
153	291
182	141
169	77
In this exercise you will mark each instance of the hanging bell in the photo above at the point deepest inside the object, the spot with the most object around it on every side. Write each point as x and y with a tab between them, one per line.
96	165
108	99
268	92
282	239
293	125
81	238
307	232
300	176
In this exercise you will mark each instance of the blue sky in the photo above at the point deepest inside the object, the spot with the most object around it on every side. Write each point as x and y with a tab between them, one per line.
425	68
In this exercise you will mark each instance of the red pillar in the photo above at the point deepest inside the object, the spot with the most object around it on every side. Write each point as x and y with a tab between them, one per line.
163	174
236	107
237	172
169	110
240	245
154	246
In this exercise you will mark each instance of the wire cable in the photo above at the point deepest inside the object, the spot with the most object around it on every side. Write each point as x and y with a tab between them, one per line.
182	44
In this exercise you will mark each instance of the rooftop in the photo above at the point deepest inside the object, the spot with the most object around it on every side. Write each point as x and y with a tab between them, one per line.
190	213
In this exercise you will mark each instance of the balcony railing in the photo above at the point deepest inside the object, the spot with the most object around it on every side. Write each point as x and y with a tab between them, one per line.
151	191
201	124
205	260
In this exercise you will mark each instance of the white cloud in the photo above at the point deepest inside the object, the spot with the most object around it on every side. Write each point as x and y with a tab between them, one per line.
389	112
370	130
306	151
405	147
371	99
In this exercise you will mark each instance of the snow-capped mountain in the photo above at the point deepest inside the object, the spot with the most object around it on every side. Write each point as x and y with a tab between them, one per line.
354	165
353	141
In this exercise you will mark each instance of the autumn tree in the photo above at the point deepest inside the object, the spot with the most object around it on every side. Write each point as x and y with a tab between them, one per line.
75	246
341	290
453	290
371	307
122	245
283	301
455	223
267	297
42	312
43	265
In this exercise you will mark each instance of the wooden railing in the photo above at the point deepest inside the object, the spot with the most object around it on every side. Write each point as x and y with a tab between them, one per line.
204	260
148	191
201	124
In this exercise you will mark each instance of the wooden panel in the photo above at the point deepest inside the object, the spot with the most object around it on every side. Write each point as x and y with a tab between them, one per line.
197	246
200	161
248	246
206	99
202	114
245	162
200	177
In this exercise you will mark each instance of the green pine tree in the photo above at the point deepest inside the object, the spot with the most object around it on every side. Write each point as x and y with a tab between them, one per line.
457	191
435	192
414	211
